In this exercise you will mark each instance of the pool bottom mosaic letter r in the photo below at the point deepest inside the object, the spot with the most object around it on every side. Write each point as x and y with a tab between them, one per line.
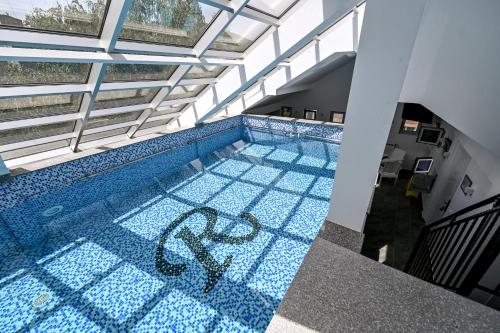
214	269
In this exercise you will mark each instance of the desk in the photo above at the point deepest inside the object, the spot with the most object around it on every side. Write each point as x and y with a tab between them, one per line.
422	183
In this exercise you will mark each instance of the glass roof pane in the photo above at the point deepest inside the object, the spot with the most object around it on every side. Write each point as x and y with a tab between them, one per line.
36	132
102	135
112	119
176	22
168	109
154	123
68	16
185	92
11	154
137	72
204	72
38	106
117	98
239	35
275	8
14	72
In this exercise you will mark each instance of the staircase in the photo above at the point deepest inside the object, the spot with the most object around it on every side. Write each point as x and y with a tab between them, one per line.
456	251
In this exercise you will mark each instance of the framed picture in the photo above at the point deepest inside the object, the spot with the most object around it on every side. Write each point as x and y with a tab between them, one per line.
337	117
310	114
466	185
286	111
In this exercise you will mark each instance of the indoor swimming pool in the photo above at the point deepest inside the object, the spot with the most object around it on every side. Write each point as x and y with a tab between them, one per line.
209	245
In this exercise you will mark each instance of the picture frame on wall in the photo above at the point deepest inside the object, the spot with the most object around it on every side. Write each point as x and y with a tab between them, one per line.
466	185
310	114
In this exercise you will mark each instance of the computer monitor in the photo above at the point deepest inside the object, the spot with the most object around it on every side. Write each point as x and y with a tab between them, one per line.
423	165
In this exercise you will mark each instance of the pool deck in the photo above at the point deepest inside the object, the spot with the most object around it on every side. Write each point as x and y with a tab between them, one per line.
338	290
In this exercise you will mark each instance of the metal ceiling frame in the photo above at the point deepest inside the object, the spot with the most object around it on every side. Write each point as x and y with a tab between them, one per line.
37	46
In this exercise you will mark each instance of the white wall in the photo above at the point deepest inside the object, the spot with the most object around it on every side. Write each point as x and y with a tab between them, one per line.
455	67
389	31
330	93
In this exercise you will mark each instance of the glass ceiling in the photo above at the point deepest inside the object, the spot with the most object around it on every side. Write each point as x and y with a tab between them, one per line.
239	35
67	16
275	8
175	22
42	114
20	73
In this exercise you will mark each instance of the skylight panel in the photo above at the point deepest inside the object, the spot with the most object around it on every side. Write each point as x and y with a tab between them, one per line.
21	152
138	72
275	8
174	22
168	109
36	132
239	35
38	106
185	92
67	16
14	72
102	135
204	72
112	119
154	123
118	98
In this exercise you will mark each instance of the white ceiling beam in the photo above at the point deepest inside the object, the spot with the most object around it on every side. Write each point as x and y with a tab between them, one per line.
35	142
42	55
201	81
115	17
164	116
221	4
96	76
118	110
35	39
25	91
148	48
31	122
117	12
107	128
111	86
178	101
213	32
59	89
260	16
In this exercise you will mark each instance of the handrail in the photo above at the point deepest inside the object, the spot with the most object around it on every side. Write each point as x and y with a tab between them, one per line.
455	252
467	209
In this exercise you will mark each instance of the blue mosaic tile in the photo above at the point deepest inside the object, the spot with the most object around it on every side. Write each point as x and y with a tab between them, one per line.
274	275
82	265
123	292
232	168
235	198
18	302
67	319
276	206
295	181
306	220
261	174
322	188
94	265
175	314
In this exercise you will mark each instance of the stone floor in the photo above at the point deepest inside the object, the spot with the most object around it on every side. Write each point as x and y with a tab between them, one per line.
393	226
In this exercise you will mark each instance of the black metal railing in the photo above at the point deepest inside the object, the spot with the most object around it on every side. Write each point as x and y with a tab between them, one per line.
456	251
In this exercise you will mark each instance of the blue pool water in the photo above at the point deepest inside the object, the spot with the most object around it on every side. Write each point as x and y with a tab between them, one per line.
210	245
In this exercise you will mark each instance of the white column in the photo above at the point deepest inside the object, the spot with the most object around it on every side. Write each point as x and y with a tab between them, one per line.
389	31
